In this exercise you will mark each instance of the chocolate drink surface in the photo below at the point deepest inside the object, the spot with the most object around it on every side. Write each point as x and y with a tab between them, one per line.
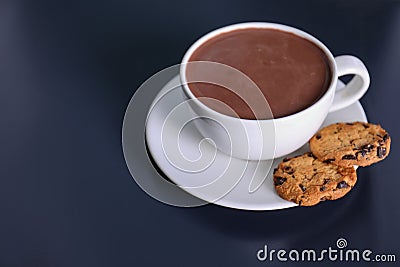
291	72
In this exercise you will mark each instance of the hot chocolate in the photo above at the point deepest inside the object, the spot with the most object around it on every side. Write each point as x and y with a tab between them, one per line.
291	72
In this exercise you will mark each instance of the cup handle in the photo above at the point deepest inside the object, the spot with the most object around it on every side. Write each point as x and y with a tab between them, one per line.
354	89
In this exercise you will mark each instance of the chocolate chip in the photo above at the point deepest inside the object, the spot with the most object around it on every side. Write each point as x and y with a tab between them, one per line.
310	154
348	123
285	160
318	136
342	184
328	161
362	152
322	188
367	147
349	157
366	126
385	137
326	181
279	180
381	152
381	142
275	170
302	187
288	170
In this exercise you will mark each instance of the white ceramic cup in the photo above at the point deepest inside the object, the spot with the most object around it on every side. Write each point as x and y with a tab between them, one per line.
271	138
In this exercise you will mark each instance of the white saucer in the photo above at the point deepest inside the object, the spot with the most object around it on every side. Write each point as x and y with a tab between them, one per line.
203	164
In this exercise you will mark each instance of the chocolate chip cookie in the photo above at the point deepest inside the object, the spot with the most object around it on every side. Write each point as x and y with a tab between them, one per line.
348	144
306	180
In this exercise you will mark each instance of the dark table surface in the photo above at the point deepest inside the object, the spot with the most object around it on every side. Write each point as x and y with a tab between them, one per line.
67	72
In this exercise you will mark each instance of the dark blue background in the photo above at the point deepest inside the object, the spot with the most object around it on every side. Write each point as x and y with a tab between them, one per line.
67	72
